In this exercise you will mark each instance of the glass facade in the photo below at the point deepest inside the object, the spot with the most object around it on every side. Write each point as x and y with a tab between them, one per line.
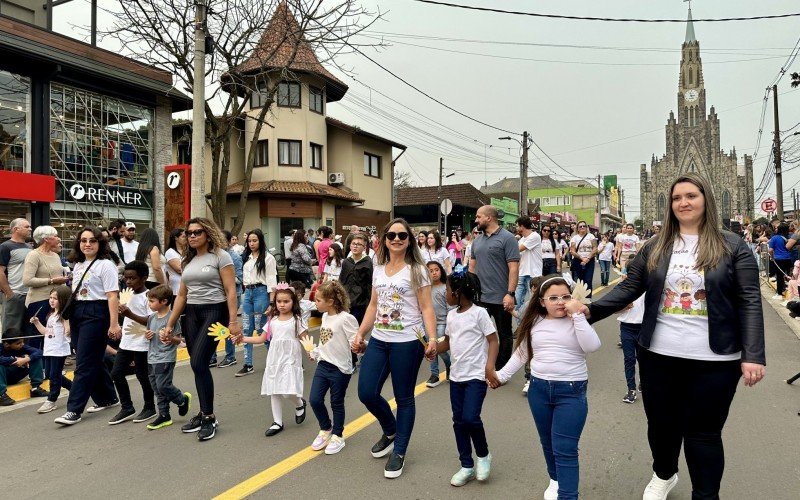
15	122
101	153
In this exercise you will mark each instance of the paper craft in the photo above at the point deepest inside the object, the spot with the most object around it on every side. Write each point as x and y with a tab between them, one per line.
580	293
421	337
218	331
135	329
308	343
125	296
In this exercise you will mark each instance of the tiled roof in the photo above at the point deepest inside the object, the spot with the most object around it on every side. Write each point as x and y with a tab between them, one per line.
460	194
357	130
511	184
276	46
297	188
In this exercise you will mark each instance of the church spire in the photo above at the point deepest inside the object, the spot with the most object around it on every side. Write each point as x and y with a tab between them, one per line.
690	38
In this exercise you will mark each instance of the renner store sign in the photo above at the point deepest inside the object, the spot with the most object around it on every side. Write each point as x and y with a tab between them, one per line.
109	195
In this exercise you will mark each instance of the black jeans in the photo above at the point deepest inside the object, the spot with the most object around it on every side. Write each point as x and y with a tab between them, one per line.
783	269
686	402
549	266
502	320
466	400
629	336
327	377
121	363
89	329
196	320
54	366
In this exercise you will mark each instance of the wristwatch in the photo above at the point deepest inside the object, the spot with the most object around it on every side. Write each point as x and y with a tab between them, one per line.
512	293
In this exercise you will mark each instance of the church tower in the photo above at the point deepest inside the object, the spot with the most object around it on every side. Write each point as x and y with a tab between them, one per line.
693	145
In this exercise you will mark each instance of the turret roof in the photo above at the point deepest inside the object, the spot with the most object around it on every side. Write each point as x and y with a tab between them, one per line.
690	38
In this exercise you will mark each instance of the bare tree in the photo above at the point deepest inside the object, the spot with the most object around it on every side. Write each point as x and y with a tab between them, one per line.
255	47
402	180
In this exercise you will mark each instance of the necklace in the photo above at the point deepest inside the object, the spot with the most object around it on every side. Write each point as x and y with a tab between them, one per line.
393	268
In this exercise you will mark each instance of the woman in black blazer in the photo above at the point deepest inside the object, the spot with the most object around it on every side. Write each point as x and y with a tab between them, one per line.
703	329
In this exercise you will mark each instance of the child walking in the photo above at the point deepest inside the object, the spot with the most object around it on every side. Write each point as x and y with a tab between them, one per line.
334	365
133	347
440	307
283	376
162	355
555	338
56	346
472	341
630	323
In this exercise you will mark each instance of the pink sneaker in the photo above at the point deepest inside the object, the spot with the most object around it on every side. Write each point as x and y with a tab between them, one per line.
321	441
334	446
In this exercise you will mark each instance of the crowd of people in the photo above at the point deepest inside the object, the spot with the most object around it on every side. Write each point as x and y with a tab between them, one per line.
485	303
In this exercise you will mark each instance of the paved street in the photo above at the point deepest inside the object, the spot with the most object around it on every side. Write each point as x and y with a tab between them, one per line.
95	460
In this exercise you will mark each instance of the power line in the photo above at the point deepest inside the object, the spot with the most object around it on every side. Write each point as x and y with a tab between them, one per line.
607	19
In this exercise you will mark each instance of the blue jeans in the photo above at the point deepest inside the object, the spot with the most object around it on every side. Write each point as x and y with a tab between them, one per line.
440	328
583	272
10	375
605	270
327	377
629	335
523	285
549	266
401	360
559	410
466	399
254	302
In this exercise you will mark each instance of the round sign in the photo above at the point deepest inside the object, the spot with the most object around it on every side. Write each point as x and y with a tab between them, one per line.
446	206
769	205
77	191
173	180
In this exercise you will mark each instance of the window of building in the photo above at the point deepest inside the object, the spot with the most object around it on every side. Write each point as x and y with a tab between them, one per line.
185	153
289	94
661	209
556	201
726	204
15	122
289	153
315	100
262	154
316	156
372	165
257	99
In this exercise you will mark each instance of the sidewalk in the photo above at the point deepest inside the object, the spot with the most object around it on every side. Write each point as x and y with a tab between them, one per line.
767	291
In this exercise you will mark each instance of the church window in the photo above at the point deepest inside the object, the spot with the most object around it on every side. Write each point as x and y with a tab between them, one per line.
662	206
691	79
726	205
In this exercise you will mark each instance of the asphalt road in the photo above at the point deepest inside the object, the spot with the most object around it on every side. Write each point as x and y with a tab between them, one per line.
95	460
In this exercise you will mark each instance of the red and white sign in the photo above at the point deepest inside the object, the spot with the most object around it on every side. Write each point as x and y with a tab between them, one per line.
769	205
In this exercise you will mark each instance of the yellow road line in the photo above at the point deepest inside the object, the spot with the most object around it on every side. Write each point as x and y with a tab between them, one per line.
599	288
287	465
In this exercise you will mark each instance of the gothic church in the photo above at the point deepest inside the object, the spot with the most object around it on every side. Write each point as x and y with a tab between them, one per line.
693	145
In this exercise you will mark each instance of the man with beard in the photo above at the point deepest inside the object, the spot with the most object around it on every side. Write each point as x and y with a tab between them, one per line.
116	229
495	258
129	243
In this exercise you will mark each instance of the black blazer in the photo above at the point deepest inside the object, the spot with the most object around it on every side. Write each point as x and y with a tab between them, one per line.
733	295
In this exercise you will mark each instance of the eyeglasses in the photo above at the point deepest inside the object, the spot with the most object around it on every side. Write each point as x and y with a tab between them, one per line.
195	233
90	241
554	299
582	226
356	244
545	230
391	235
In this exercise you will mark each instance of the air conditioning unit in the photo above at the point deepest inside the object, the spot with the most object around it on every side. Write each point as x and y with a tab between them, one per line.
335	178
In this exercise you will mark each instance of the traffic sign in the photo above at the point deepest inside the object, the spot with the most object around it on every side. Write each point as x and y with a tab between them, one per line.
769	205
446	206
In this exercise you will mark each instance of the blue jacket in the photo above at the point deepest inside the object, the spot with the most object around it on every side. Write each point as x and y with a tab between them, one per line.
7	356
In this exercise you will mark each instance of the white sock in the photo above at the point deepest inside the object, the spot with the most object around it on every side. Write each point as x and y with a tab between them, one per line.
277	413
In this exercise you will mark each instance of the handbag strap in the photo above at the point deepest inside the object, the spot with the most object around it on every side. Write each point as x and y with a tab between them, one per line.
80	282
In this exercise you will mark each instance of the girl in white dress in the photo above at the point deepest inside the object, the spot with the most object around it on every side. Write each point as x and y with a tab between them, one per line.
283	376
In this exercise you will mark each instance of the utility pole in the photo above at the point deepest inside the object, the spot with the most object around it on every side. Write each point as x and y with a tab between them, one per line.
523	177
599	202
198	202
439	197
794	203
778	173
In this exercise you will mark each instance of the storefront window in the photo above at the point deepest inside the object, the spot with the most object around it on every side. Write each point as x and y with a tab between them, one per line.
101	156
15	122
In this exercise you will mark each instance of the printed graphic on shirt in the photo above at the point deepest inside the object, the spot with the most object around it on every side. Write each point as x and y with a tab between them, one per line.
390	308
85	286
683	291
325	334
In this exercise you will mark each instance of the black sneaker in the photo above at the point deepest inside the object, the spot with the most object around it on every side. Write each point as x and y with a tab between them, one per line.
212	363
184	408
97	408
394	466
246	370
123	415
193	425
226	363
433	381
160	422
208	428
38	392
383	447
630	397
298	419
6	400
69	418
145	415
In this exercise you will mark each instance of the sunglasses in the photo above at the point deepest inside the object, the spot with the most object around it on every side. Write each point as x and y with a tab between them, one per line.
391	235
545	230
195	233
554	299
581	226
91	241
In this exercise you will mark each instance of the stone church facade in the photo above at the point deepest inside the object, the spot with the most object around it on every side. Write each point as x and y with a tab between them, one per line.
693	145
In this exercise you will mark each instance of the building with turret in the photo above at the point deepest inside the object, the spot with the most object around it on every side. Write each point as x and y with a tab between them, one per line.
693	145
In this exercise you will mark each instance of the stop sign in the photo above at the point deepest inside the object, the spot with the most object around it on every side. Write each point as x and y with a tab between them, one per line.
769	205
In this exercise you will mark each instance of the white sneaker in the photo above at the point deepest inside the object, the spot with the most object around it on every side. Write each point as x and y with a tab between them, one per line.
335	445
658	489
47	407
321	441
551	493
526	386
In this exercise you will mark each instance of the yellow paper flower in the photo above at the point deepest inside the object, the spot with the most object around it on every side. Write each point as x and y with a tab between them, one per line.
308	343
218	331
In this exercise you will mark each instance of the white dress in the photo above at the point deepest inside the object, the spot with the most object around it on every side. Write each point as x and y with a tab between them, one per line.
284	371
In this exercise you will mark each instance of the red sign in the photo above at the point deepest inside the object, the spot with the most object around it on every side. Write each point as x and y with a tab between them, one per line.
769	205
27	187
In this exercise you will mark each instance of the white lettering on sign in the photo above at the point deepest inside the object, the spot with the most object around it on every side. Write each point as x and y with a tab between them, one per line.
102	195
346	227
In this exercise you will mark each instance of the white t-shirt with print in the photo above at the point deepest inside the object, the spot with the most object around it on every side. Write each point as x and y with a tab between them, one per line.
336	332
101	279
469	350
628	242
439	256
333	271
530	262
56	342
547	249
398	317
585	248
606	250
138	306
682	324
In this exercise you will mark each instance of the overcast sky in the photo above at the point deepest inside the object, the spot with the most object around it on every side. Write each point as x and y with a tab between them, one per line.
573	100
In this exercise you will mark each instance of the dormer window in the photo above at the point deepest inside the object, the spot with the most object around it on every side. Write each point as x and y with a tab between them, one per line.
316	100
289	94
